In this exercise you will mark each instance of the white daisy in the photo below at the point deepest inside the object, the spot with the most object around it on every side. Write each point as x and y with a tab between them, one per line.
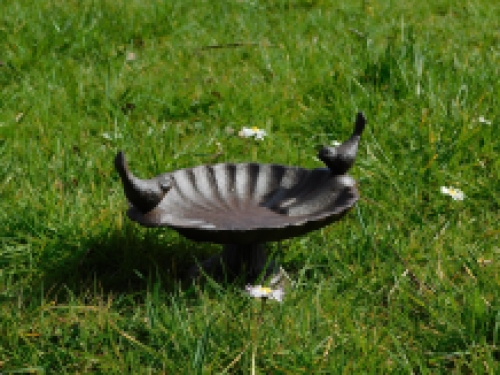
335	143
259	291
131	56
254	132
482	120
111	137
455	193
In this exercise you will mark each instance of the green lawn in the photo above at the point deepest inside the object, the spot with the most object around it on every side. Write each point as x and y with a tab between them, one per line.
407	282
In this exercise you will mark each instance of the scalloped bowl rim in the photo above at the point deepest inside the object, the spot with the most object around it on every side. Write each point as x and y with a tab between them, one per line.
202	225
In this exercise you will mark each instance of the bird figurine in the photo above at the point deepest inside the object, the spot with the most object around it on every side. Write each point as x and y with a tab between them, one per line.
339	159
142	194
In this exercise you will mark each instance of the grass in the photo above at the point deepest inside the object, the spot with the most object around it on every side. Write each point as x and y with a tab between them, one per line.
408	282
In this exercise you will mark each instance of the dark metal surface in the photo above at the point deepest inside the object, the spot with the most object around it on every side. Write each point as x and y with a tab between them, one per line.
249	261
246	203
146	194
340	159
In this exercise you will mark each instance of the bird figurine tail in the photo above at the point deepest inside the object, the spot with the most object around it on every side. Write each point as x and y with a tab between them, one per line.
142	194
341	158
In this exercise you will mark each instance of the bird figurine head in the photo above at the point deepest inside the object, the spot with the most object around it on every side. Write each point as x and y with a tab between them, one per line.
341	158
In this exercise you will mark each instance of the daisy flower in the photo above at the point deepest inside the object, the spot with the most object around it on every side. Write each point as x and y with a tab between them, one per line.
259	291
131	56
482	120
254	132
335	143
111	137
455	193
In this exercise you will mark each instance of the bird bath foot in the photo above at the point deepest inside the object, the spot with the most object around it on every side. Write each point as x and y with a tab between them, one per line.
250	262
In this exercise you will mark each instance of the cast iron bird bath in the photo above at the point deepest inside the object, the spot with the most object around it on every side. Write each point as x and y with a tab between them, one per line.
242	206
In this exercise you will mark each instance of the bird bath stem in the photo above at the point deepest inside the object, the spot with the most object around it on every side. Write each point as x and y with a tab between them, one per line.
250	261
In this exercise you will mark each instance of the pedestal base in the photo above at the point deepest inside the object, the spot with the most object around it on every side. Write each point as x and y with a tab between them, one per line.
247	262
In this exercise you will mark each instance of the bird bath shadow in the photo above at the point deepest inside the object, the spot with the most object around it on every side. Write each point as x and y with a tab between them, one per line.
128	260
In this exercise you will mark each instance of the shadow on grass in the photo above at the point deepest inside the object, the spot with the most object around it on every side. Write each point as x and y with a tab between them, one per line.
130	260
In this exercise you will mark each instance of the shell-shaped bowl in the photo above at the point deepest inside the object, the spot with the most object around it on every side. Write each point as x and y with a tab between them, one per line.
250	203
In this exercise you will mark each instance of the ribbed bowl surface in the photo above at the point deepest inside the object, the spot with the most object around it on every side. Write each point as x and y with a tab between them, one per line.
248	203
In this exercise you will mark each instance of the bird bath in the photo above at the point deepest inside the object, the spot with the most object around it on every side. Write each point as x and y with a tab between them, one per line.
242	206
